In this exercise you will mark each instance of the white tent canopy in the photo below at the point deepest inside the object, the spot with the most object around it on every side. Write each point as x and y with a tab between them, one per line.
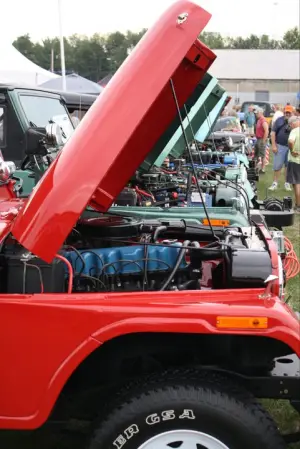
17	69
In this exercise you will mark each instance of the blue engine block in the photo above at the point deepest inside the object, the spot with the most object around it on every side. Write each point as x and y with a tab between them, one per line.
125	259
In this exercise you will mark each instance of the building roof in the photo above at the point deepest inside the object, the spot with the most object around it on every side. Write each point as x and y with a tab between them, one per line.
257	64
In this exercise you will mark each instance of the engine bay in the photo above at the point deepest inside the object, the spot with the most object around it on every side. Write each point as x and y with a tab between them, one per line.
110	253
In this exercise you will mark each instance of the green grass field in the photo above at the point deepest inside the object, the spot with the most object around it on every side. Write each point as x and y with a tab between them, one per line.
282	412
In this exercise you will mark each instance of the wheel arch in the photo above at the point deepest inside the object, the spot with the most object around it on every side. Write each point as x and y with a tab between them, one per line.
119	360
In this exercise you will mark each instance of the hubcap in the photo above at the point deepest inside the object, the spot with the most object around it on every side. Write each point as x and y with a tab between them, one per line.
183	439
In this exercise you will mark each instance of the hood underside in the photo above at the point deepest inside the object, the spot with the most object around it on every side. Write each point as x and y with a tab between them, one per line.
120	129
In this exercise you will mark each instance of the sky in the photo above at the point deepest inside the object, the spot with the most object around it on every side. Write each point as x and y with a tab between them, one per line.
39	18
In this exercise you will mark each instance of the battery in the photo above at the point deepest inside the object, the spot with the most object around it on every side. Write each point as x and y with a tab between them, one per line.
195	199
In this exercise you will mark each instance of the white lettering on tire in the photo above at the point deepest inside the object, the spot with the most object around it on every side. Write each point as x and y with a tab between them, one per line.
152	419
131	430
119	442
187	414
168	415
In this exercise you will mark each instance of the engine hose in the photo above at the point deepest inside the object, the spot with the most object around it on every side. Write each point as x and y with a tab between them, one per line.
208	252
158	230
169	172
181	254
143	192
70	269
291	262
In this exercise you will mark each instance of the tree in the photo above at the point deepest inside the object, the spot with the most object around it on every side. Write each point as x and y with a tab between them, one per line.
25	46
248	43
117	47
134	38
43	53
291	39
212	40
97	56
268	44
252	42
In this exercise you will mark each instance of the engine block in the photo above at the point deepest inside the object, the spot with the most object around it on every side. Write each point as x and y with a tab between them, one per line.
125	259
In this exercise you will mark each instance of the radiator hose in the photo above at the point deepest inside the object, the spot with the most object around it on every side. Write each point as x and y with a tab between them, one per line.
181	254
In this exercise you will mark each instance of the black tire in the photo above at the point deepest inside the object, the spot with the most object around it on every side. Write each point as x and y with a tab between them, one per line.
216	407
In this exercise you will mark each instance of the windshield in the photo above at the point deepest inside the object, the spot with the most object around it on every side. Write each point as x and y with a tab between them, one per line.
264	106
227	123
39	110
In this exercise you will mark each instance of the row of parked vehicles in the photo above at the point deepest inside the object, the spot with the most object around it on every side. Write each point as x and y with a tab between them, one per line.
142	278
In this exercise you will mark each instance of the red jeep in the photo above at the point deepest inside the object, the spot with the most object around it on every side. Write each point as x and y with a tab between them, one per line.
172	329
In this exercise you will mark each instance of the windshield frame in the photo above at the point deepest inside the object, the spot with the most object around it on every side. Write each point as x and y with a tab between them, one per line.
4	127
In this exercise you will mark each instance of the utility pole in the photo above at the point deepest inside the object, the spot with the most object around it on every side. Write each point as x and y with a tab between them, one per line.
62	48
52	60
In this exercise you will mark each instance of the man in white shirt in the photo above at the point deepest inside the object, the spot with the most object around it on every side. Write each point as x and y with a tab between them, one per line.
278	113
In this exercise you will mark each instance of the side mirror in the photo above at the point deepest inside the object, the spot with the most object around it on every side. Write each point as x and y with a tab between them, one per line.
54	135
34	138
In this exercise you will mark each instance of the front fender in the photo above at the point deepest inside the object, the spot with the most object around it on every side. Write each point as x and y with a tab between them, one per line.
48	336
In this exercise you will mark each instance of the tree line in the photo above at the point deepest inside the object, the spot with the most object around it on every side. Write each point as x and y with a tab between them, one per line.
99	55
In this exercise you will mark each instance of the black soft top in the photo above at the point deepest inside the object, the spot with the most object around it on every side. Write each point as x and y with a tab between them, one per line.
72	99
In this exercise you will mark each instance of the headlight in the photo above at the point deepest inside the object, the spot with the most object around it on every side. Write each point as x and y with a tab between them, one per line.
246	140
230	141
6	170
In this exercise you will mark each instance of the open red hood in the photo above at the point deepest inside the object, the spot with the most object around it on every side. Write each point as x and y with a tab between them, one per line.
120	129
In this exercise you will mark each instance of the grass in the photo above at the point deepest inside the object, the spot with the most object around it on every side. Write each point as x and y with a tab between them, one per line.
285	416
293	232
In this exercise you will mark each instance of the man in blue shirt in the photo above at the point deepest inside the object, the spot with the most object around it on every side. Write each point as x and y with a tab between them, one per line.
279	138
249	119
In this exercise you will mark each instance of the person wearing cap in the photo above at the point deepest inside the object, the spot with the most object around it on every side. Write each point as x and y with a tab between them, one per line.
261	132
279	138
250	120
293	169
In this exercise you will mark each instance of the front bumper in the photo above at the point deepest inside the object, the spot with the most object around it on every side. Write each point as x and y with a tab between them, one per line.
273	219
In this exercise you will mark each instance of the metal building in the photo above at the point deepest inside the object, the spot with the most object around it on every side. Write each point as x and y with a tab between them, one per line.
259	75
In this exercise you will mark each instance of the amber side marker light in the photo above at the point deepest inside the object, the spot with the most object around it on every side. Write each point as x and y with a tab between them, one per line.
242	322
216	222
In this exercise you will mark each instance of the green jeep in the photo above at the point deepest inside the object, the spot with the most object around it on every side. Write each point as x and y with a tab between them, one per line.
24	115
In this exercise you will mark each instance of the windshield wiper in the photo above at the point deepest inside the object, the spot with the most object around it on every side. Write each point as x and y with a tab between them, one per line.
32	124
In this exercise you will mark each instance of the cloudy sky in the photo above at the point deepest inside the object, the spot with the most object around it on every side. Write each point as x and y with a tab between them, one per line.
39	18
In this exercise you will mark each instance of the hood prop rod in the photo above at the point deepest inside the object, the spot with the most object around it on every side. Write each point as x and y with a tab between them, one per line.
191	158
195	142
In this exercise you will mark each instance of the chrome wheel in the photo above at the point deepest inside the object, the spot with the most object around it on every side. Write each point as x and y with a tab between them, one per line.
183	439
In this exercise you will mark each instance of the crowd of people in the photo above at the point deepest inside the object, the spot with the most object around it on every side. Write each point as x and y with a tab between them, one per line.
285	142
